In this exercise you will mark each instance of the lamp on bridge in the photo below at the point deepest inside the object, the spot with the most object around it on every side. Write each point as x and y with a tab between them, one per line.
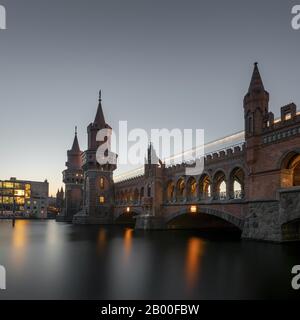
128	209
193	209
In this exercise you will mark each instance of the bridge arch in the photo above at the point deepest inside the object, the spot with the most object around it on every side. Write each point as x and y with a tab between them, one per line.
229	219
125	216
290	231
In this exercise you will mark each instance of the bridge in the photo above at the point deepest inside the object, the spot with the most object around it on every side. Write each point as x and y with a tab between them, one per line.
250	185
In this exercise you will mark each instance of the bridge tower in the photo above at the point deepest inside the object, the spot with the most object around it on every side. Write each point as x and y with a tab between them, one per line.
257	117
73	180
152	217
98	197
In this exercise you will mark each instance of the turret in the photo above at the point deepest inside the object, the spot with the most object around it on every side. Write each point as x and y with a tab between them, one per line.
73	179
256	105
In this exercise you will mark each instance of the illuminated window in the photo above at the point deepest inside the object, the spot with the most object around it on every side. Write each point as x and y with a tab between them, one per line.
8	185
101	199
287	116
8	200
102	183
19	200
19	192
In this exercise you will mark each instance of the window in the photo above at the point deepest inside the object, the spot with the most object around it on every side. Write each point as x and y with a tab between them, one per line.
149	191
101	183
101	199
250	125
287	116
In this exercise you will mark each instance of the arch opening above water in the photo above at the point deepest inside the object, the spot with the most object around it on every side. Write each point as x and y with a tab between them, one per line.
205	220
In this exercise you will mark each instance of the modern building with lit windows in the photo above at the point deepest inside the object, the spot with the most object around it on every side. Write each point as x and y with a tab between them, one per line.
21	198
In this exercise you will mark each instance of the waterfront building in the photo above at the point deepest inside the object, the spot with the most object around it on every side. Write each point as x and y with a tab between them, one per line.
22	198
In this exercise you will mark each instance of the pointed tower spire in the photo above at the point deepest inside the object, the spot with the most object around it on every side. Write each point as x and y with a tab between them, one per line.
99	118
256	105
256	84
75	146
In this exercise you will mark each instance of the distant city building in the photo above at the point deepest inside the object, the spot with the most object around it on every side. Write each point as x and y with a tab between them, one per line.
21	198
59	200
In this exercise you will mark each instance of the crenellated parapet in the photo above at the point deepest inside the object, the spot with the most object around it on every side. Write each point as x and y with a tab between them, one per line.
287	126
229	154
133	181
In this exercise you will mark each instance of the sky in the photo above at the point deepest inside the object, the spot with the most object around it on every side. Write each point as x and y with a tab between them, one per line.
159	63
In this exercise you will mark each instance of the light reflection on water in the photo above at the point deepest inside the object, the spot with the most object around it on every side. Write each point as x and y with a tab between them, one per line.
20	234
49	260
195	251
127	244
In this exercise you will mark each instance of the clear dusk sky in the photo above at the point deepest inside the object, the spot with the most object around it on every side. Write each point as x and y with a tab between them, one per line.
160	64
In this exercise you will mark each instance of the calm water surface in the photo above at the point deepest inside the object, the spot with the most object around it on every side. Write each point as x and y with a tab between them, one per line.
49	260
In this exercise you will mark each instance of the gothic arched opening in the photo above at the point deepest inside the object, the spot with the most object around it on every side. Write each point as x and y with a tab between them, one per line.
180	186
142	194
219	186
136	196
290	170
205	187
170	191
191	189
237	183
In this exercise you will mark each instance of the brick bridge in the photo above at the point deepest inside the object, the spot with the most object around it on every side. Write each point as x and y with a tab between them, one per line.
253	187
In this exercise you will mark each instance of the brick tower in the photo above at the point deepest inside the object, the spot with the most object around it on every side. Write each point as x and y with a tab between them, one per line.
257	116
98	197
73	180
152	217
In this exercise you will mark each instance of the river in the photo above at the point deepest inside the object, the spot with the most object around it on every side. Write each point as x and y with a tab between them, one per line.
49	260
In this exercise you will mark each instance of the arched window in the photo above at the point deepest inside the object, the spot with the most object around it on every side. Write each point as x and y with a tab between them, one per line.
101	183
220	192
149	191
